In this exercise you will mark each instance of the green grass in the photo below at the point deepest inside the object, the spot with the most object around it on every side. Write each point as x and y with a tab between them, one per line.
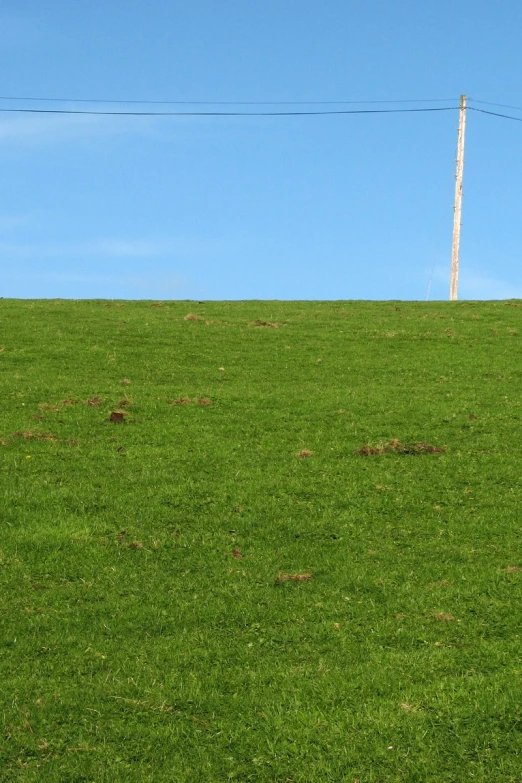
136	645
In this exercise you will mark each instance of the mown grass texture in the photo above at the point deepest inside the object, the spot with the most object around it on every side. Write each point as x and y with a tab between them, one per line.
218	585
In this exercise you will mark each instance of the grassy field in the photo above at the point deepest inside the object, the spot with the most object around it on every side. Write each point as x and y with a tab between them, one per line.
218	585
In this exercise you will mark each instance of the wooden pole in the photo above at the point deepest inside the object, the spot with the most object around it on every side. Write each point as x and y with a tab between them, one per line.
457	209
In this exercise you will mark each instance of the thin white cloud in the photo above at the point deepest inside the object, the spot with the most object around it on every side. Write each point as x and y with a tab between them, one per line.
107	248
10	222
135	280
473	285
35	129
45	129
79	285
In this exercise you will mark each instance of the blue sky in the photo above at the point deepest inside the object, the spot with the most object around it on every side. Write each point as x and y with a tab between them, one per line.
321	207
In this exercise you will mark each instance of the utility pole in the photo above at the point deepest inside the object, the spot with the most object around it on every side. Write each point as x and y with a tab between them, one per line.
457	209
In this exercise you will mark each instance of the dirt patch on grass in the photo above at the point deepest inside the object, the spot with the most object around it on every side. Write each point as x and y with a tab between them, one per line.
93	402
292	578
117	417
187	401
180	401
305	453
396	447
514	570
124	403
407	707
193	317
269	324
34	436
443	617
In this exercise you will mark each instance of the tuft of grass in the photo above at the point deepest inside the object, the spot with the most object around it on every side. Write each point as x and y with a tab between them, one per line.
183	599
292	578
269	324
396	447
27	435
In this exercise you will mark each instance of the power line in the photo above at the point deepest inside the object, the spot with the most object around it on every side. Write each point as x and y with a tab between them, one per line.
495	114
223	103
275	113
502	105
226	113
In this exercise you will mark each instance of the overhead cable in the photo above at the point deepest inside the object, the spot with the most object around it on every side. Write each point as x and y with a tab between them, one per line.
490	103
225	113
222	103
495	114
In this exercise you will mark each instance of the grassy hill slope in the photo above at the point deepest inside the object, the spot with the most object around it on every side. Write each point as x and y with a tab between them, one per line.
218	584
